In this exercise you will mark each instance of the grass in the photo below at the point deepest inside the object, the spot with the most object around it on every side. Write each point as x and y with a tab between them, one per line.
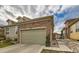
5	44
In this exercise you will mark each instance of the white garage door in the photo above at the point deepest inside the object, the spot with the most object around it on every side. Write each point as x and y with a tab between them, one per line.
33	36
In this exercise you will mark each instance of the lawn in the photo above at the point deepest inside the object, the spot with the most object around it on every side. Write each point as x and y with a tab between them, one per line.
5	44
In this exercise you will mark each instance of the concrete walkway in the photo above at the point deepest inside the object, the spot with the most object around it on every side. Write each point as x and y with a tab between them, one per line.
72	45
60	48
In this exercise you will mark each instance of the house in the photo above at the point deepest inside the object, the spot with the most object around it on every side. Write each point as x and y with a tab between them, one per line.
72	29
11	30
2	37
31	31
37	31
57	35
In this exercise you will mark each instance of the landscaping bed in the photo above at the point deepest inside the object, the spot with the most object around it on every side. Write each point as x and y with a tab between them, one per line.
5	43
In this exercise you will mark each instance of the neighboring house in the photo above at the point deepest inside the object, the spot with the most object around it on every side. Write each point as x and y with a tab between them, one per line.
72	29
11	30
57	35
37	31
2	37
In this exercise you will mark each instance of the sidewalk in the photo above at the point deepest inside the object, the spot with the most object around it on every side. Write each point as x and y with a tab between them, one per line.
6	49
22	48
60	48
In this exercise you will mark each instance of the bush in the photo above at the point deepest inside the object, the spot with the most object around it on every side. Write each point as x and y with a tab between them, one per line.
15	39
48	40
8	40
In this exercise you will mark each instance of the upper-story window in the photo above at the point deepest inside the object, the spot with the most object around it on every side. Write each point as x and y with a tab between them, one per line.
73	28
7	32
7	29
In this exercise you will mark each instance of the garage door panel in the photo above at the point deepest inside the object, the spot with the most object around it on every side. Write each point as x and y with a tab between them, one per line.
34	37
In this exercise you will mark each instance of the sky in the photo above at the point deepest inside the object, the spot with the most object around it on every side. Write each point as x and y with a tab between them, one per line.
61	13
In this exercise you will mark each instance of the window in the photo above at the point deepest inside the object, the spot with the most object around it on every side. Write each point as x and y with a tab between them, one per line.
77	30
16	32
7	29
77	27
73	28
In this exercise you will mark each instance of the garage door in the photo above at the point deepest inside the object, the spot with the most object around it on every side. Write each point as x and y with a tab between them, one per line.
37	36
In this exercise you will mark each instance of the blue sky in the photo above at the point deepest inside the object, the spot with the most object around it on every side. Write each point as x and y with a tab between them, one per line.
61	13
68	13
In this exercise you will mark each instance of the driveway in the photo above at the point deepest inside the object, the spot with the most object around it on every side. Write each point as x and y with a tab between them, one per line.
72	45
22	48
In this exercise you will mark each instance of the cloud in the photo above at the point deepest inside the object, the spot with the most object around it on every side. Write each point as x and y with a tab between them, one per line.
66	13
61	13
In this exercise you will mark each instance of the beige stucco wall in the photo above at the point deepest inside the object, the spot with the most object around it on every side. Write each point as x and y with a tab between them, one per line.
74	35
73	28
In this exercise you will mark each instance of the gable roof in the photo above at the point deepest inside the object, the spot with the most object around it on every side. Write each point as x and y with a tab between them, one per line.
71	21
22	19
40	19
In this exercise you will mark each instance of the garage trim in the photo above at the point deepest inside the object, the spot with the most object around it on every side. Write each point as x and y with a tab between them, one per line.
33	28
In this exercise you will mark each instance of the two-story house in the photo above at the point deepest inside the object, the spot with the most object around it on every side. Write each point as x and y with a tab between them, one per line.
11	30
72	29
31	31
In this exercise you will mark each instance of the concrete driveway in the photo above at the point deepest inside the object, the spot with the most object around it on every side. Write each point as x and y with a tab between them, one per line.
22	48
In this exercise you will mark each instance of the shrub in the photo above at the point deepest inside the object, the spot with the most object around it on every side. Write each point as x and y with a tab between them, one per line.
15	39
48	40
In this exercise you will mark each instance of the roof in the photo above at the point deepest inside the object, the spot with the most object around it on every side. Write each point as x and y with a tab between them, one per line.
44	17
24	18
11	25
10	20
71	21
40	19
35	19
18	17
